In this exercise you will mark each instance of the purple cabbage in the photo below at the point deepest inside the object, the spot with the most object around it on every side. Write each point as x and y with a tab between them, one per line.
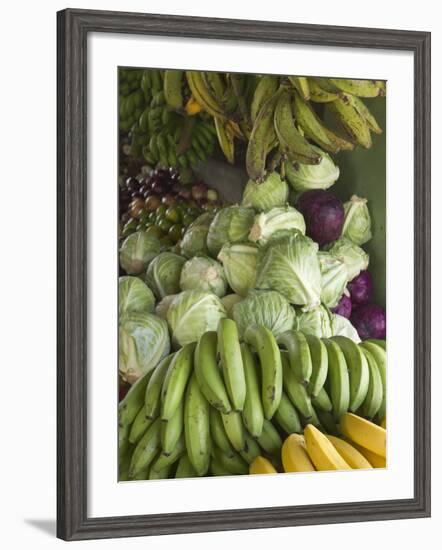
370	321
361	288
344	307
323	214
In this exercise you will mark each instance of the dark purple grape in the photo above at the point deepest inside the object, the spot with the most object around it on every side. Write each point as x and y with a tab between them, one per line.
132	184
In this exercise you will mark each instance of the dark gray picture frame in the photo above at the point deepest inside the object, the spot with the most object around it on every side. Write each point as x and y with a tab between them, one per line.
73	28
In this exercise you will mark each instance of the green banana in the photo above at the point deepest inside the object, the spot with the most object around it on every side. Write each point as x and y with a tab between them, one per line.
218	469
142	475
287	417
173	84
152	398
225	139
270	440
358	370
124	463
203	94
299	353
146	449
291	143
265	345
175	380
197	428
313	419
232	463
208	373
365	113
139	426
322	401
266	88
379	355
260	137
171	431
231	362
295	390
124	445
166	460
312	125
319	358
185	468
215	84
234	428
327	422
378	342
318	94
360	88
338	379
301	84
218	432
373	399
253	413
128	408
251	450
349	117
160	474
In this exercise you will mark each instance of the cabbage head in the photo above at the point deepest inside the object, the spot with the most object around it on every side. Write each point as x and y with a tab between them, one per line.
334	279
134	296
273	191
143	340
317	321
270	224
230	225
308	176
357	221
264	307
239	261
194	241
192	313
137	251
341	326
203	273
229	300
353	256
163	306
163	274
290	265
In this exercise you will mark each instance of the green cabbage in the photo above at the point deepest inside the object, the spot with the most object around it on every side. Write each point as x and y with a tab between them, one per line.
239	261
163	306
267	308
341	326
229	301
353	256
312	176
316	321
137	251
290	265
273	191
134	295
357	222
194	241
270	224
203	273
230	225
143	341
163	274
334	278
192	313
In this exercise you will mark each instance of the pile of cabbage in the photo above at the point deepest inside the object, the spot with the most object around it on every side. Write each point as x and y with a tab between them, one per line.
255	262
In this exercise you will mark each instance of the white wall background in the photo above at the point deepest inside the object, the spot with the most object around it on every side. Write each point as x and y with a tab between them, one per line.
27	306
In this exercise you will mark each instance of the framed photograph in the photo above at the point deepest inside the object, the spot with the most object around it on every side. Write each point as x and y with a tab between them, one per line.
243	274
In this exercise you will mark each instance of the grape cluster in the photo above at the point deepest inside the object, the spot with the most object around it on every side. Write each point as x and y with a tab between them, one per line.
160	204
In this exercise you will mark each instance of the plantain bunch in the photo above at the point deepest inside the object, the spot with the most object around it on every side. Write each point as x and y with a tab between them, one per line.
277	117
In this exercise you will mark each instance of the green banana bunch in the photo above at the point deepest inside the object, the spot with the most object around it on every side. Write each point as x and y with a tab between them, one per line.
197	428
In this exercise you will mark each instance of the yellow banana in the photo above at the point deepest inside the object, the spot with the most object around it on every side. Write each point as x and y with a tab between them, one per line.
261	466
321	451
349	453
365	433
192	107
294	455
375	460
383	423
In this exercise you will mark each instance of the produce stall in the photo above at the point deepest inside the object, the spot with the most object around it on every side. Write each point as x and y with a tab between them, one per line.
252	319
